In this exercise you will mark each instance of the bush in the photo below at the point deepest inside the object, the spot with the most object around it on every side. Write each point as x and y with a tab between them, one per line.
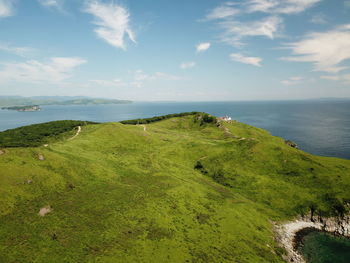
158	118
37	134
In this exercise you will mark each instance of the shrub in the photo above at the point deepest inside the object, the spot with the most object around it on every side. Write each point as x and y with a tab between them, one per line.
37	134
158	118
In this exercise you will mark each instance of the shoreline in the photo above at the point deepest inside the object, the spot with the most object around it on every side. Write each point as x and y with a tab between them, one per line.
289	235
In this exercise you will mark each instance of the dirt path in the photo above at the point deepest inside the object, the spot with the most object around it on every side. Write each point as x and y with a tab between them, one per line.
78	132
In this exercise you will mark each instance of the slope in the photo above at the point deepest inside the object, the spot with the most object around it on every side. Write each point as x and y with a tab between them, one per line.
179	191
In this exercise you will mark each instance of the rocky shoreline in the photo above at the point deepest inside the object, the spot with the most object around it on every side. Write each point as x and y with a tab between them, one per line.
287	234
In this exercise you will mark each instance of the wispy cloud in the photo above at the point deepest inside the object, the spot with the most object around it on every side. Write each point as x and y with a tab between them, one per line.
6	8
279	6
138	79
228	17
140	75
222	11
187	65
235	31
53	4
19	51
113	22
230	9
326	50
292	81
201	47
255	61
319	19
345	78
54	71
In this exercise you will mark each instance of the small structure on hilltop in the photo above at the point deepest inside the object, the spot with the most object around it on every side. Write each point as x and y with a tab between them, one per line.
226	118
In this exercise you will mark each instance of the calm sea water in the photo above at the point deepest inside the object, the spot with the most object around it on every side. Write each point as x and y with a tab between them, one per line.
321	247
318	127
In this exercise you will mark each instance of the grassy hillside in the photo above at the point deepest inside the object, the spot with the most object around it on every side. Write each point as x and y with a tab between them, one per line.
177	190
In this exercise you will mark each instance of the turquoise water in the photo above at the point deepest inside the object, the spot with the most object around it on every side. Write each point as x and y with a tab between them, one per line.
319	247
318	127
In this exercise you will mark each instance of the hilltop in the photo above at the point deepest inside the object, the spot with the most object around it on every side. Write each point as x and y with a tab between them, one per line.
177	188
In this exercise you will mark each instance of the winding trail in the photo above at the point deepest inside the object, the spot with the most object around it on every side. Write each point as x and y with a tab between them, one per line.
78	132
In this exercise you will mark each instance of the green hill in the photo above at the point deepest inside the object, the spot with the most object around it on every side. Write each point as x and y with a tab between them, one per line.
184	189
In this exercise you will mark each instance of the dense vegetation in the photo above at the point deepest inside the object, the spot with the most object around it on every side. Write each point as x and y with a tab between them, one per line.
159	118
37	134
181	190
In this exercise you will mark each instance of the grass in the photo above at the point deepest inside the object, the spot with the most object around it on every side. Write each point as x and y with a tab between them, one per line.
123	194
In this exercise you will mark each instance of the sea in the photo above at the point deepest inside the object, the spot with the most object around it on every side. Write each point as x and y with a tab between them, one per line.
321	127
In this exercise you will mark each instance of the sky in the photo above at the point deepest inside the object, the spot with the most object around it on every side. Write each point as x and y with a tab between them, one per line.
184	50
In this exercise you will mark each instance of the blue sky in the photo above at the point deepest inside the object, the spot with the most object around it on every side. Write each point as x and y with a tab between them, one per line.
193	50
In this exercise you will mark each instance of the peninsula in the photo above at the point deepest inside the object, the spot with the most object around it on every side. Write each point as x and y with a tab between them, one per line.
183	187
23	108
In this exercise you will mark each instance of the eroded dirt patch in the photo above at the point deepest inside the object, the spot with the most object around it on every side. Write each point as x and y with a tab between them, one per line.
45	210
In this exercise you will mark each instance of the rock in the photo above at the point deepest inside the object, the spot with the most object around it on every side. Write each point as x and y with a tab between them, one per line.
2	152
291	144
286	233
41	157
29	181
45	210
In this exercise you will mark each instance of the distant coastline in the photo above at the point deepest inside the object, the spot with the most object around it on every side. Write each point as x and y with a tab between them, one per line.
18	101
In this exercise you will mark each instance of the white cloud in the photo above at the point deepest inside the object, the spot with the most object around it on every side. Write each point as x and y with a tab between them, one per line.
113	22
228	17
255	61
260	5
279	6
6	8
292	81
319	19
342	78
326	50
223	11
19	51
137	80
140	75
201	47
187	65
55	71
230	9
54	4
235	31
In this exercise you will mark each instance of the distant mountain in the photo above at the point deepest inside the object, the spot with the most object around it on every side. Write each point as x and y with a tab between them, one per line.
9	101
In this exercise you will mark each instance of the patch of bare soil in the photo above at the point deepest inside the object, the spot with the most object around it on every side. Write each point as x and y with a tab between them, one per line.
45	210
41	157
